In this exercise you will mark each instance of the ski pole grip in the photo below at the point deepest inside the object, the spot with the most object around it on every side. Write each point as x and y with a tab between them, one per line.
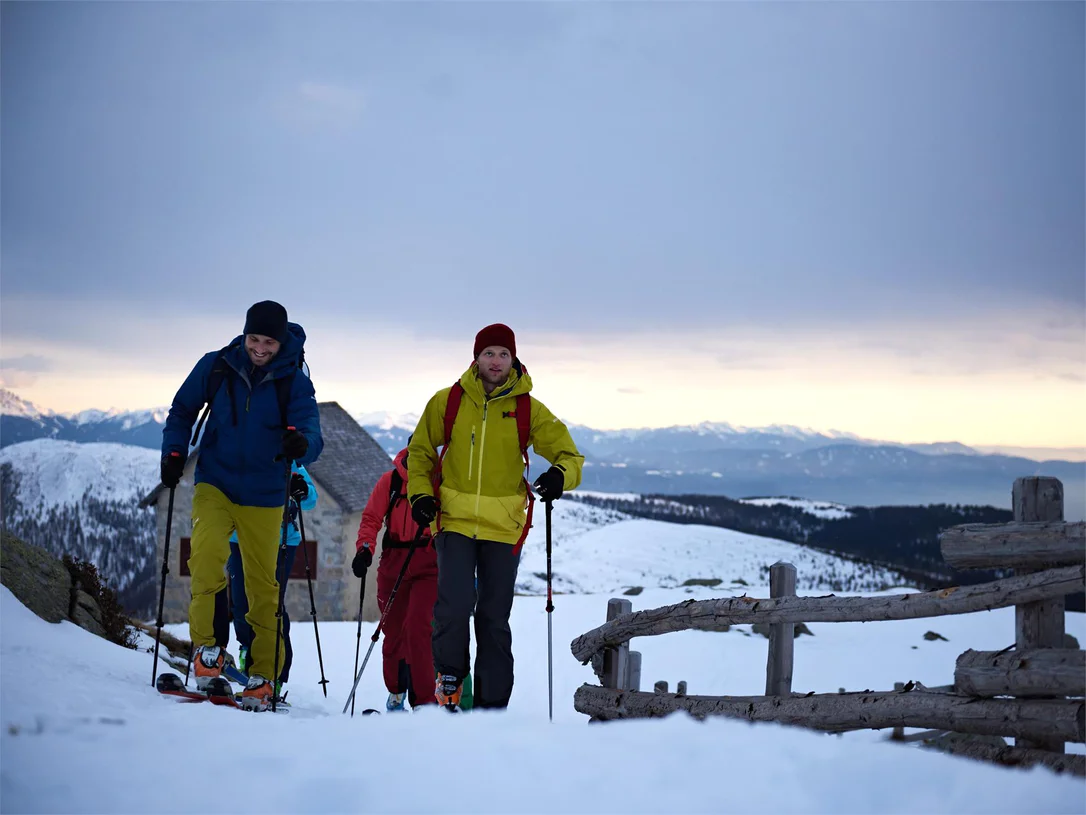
279	456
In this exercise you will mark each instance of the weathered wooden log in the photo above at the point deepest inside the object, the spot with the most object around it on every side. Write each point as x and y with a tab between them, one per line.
1038	623
1039	545
717	615
1036	673
1074	764
1063	719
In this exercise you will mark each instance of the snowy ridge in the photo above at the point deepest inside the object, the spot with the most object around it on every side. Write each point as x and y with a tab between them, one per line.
127	419
12	405
384	420
62	473
820	509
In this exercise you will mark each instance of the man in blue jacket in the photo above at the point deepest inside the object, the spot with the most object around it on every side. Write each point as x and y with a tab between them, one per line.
263	416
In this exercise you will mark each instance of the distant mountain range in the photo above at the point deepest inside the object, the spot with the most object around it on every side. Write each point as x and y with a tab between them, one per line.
709	459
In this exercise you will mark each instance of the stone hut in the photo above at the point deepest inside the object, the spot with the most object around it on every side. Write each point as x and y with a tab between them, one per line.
345	474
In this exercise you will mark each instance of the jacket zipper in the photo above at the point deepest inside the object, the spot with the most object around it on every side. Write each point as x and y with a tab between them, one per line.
479	487
471	457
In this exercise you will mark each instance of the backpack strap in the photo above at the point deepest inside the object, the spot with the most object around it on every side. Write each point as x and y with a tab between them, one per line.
452	407
395	493
220	369
283	386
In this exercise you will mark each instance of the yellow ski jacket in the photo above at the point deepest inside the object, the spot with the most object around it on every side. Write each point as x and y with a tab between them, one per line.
482	491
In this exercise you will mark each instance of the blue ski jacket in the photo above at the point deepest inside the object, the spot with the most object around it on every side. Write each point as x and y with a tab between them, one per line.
244	430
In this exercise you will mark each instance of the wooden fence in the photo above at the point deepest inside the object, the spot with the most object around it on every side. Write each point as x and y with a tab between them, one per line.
1032	691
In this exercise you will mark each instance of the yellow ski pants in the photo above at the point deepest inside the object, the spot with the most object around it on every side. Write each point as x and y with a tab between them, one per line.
214	517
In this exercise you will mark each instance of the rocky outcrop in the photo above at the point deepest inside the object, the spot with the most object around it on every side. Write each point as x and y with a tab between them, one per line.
37	578
44	585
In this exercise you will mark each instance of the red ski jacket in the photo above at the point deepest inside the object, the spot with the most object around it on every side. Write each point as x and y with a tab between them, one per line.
402	528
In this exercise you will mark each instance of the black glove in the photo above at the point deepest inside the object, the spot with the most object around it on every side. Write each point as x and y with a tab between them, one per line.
423	509
173	465
299	489
293	446
361	562
550	484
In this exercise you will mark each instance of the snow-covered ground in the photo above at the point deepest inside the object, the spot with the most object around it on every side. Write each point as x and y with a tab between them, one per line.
83	730
820	509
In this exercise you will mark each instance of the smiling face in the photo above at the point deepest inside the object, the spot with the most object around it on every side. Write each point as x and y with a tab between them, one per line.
494	363
261	349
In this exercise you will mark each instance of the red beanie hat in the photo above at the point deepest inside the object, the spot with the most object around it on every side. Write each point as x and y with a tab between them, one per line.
496	334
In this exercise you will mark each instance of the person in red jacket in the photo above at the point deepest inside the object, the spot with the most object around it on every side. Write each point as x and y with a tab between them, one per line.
406	652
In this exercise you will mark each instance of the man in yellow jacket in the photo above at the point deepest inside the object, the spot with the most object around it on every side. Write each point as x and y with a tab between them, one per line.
477	493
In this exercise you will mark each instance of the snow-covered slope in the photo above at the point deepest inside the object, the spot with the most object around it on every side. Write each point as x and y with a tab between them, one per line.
62	473
600	550
81	500
82	730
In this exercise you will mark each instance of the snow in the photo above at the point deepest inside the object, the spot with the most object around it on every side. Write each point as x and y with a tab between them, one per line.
597	550
13	405
60	473
83	729
820	509
388	421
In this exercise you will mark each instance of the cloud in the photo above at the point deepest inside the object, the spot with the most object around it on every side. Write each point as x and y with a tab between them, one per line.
29	363
1071	376
22	371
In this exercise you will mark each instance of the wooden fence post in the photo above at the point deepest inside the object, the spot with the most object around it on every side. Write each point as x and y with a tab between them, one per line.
615	659
1039	624
633	670
898	733
778	672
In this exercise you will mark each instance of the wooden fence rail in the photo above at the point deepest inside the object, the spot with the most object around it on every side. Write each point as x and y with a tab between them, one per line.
717	615
1037	545
1032	673
838	712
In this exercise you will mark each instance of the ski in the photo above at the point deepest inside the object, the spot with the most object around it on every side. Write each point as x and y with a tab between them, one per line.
218	692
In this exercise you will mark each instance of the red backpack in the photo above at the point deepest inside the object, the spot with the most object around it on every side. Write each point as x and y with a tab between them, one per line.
523	415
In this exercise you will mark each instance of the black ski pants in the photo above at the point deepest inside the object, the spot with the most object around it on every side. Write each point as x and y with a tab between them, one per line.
459	560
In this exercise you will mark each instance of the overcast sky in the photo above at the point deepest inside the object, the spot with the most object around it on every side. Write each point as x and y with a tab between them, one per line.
861	216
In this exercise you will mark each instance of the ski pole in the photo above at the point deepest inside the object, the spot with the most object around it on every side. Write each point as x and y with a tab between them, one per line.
358	636
188	665
283	587
388	605
550	610
312	604
162	585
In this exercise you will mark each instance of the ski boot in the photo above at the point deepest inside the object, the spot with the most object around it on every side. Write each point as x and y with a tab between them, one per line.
257	695
395	702
448	692
207	664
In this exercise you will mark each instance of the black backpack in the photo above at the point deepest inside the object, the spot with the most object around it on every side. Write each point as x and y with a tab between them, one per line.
220	370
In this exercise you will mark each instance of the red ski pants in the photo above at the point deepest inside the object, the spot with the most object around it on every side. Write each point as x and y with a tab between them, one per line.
408	626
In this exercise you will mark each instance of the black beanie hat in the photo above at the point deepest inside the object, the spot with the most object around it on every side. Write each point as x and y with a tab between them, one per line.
268	318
